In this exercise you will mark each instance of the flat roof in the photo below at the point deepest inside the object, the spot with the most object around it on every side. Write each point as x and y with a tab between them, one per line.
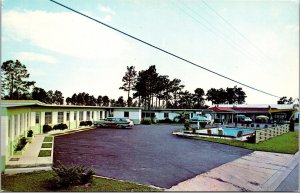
36	103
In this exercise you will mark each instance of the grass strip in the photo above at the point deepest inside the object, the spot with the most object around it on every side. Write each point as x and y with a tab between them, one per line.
48	139
45	153
42	181
47	145
285	143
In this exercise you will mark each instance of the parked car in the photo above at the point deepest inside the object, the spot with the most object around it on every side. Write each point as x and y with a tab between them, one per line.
114	122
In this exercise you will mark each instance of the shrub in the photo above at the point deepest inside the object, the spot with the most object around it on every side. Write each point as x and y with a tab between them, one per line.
55	127
73	175
187	125
180	118
82	123
252	125
29	133
21	144
251	139
166	120
146	121
89	123
46	128
60	126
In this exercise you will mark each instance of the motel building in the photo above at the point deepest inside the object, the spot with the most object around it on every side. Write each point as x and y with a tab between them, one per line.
225	113
20	116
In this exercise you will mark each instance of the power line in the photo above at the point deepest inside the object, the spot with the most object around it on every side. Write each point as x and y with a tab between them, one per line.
160	49
214	30
236	30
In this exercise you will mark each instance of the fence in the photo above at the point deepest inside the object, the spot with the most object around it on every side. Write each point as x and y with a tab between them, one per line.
267	133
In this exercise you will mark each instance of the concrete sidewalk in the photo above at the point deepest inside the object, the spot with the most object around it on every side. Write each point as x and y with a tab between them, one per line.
30	161
258	171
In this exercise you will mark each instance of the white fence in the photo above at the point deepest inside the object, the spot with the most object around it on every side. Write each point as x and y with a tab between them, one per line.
267	133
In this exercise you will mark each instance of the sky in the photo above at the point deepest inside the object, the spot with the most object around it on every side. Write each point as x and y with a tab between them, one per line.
255	42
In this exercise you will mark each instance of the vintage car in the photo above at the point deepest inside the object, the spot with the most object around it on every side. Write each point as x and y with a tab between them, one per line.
117	122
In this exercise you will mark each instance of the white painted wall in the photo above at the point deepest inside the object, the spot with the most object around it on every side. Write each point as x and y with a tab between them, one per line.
54	117
84	115
134	114
72	116
118	113
42	118
32	118
4	140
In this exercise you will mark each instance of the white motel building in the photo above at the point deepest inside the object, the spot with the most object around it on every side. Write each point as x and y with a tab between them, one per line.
20	116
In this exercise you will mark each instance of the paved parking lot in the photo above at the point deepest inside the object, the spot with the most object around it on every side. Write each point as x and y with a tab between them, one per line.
146	154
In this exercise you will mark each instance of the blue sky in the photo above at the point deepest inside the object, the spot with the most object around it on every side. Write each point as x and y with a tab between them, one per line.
67	52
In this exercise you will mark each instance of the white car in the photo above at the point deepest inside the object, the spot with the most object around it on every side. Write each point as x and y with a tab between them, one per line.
114	122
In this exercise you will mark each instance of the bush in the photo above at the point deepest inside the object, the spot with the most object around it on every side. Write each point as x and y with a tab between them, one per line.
166	120
251	139
60	126
55	127
29	133
46	128
82	123
21	144
73	175
180	118
89	123
187	125
146	121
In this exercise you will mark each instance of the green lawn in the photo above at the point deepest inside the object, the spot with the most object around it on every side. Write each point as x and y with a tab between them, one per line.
286	143
45	153
48	139
47	145
41	182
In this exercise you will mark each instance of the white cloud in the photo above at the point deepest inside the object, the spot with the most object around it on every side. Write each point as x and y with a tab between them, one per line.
35	57
293	28
106	9
107	18
65	33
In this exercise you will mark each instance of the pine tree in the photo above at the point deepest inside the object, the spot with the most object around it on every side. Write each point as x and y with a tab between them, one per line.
13	78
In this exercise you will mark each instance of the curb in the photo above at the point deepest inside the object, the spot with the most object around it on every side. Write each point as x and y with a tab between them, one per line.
280	175
72	131
26	170
151	186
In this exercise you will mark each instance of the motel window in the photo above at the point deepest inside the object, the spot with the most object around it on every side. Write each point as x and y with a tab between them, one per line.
37	118
68	116
60	117
80	115
126	114
21	123
93	115
166	115
88	114
101	113
9	129
28	116
48	117
75	116
15	124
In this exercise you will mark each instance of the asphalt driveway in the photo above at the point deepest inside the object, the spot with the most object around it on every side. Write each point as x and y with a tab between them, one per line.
146	154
